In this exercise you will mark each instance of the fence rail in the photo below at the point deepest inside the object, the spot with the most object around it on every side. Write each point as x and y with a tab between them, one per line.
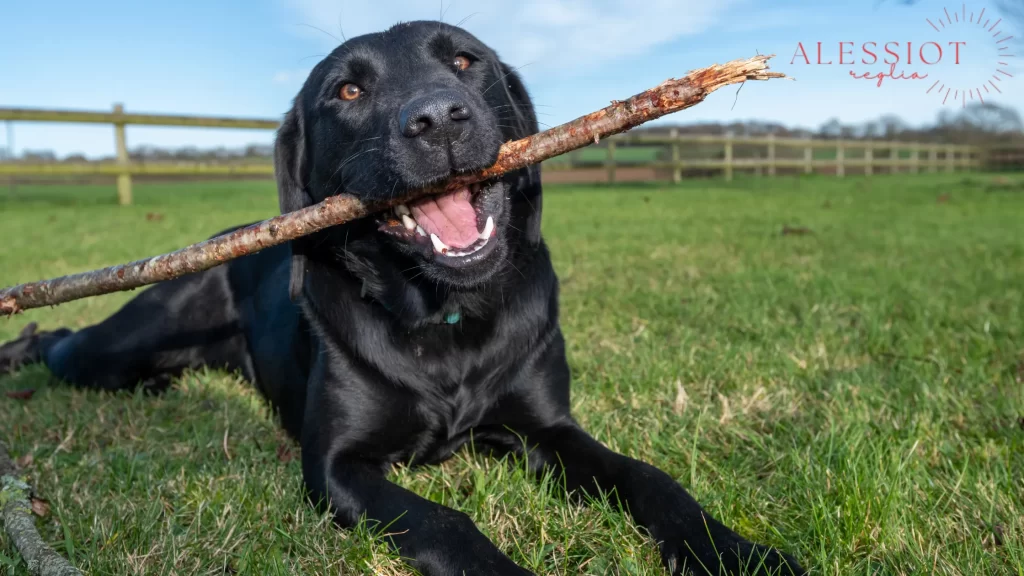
118	116
767	155
124	168
133	169
657	156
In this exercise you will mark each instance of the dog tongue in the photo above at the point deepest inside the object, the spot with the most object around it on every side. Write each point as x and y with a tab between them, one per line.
451	217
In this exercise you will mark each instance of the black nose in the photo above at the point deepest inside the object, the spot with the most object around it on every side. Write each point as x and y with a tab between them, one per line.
442	115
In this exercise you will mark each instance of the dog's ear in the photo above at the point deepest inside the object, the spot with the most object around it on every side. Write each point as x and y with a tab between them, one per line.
291	167
525	118
525	122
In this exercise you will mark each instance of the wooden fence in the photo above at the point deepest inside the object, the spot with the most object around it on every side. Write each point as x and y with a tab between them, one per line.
638	156
123	168
766	155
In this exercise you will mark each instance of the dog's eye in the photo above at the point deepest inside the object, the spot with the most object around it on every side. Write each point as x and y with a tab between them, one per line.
461	62
350	92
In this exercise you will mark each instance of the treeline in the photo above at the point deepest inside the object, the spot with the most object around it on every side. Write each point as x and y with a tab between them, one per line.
149	153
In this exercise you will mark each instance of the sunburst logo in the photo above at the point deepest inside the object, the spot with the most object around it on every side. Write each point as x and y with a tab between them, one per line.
999	39
962	57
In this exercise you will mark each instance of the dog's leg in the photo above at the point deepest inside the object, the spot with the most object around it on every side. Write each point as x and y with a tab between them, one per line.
436	540
183	323
689	538
27	348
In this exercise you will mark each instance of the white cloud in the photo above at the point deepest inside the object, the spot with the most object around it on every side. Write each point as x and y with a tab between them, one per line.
544	36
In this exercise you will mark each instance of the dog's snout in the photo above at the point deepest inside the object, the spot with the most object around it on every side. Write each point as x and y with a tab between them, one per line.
438	115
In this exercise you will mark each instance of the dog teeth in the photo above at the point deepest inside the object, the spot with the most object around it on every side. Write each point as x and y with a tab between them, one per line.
473	250
402	210
408	222
438	245
441	248
485	236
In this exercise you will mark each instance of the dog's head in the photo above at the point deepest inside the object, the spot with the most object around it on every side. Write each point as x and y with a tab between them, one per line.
403	109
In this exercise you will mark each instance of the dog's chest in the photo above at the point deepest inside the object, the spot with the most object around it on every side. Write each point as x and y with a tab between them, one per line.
436	425
449	404
437	386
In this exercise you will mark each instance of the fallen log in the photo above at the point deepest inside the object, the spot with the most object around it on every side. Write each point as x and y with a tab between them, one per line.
670	96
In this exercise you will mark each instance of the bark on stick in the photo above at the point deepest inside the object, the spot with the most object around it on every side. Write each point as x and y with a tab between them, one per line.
20	526
670	96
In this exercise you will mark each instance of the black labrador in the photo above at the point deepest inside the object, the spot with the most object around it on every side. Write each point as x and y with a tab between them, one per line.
393	338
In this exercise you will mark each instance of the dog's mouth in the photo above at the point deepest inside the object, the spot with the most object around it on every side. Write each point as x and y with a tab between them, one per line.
456	227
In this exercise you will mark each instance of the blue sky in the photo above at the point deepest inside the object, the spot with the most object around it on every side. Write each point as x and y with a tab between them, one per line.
234	58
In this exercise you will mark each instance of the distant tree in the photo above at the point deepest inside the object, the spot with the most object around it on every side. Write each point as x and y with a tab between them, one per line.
991	118
259	151
150	153
39	156
833	128
872	129
892	126
187	153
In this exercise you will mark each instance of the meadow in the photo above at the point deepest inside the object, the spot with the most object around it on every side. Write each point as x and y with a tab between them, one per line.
833	366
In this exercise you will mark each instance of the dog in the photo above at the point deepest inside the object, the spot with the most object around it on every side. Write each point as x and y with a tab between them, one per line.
393	338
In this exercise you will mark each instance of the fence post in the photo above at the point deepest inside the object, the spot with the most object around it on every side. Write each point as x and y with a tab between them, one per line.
579	159
840	156
12	182
677	171
915	158
611	161
933	157
869	157
728	156
808	160
124	179
771	154
950	158
10	139
894	158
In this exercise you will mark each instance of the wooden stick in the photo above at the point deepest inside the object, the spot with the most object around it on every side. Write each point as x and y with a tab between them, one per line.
670	96
16	511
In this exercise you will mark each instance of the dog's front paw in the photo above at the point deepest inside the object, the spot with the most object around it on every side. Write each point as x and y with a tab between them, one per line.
450	545
738	558
484	565
758	560
27	347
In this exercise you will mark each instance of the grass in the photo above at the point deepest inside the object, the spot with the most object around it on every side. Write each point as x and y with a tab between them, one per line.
855	394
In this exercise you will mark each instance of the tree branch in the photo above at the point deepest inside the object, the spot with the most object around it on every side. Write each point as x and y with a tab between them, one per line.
21	527
670	96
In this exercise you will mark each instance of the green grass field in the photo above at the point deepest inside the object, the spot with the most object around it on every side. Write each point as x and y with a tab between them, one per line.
854	394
